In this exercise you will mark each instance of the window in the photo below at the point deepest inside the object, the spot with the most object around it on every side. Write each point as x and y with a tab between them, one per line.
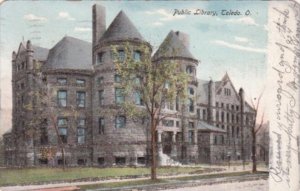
138	98
80	99
101	125
101	97
222	139
227	91
191	124
237	119
141	160
189	69
237	107
118	78
62	81
177	104
81	162
191	91
44	134
204	114
100	57
121	55
101	161
120	160
100	80
232	107
232	132
137	56
217	115
237	131
120	122
222	116
62	124
43	161
62	98
191	105
222	105
198	113
227	106
191	135
215	140
119	96
217	104
177	123
80	82
81	131
168	123
227	117
22	86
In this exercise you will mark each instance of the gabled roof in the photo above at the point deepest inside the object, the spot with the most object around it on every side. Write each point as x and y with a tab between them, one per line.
70	53
121	29
203	126
172	47
223	82
40	53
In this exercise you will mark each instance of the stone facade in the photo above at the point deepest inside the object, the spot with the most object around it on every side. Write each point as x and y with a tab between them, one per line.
74	87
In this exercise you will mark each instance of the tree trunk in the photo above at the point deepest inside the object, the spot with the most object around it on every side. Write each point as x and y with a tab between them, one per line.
63	157
254	151
153	150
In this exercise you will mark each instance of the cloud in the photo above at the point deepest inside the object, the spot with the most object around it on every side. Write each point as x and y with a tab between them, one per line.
238	47
165	15
243	20
241	39
32	17
65	15
157	24
82	29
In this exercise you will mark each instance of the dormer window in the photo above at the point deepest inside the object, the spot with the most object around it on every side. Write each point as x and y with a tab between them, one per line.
227	91
137	56
100	57
189	69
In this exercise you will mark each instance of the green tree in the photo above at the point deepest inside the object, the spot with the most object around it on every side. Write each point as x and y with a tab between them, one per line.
152	85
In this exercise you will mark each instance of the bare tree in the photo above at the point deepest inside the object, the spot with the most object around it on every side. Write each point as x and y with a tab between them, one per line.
255	129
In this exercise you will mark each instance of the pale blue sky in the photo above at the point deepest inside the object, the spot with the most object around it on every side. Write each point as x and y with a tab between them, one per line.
236	44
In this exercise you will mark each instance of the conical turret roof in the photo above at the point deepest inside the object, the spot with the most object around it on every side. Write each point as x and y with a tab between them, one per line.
172	47
121	29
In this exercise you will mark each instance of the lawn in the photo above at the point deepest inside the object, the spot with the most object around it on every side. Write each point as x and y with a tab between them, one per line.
46	175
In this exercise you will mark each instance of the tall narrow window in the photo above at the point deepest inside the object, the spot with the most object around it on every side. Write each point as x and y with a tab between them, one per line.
101	97
44	133
204	114
191	124
191	135
138	98
191	105
191	91
121	55
119	96
62	98
120	122
100	57
62	124
101	125
80	99
81	131
137	56
177	104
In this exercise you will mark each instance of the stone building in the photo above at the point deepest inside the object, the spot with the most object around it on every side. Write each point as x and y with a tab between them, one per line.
74	87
